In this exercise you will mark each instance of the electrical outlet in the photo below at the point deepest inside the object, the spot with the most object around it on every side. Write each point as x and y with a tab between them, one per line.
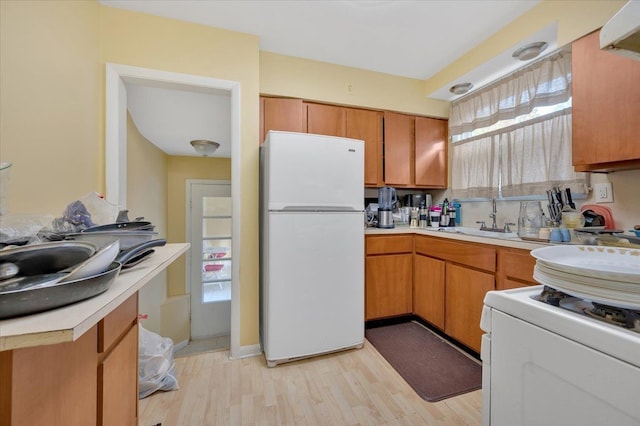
603	192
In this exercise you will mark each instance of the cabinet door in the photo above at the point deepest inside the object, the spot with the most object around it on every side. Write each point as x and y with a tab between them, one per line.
50	385
367	126
326	120
606	107
388	285
465	290
428	289
398	149
282	114
430	152
118	383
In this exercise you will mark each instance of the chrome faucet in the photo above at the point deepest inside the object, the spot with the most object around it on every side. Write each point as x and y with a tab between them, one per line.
493	214
494	225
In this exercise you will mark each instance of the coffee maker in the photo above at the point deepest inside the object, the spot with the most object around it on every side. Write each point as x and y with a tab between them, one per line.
387	197
417	200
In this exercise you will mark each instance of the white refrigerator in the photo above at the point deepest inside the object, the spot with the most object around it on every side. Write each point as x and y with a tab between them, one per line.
312	245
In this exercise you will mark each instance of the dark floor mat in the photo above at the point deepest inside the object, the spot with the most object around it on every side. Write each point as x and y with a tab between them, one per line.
434	368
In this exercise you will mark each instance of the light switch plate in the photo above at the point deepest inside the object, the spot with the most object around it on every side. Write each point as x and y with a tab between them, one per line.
603	192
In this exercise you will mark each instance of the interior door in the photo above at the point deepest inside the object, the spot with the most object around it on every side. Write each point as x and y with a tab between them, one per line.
211	257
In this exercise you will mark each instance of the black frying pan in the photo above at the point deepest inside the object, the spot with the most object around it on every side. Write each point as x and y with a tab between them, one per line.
122	226
45	258
24	299
30	301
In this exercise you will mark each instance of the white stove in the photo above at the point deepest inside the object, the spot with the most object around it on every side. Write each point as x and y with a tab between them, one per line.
547	365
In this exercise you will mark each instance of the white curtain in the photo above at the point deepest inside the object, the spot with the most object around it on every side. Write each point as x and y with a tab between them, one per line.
503	149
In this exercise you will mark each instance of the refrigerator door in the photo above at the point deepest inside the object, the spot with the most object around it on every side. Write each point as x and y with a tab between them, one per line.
313	294
313	172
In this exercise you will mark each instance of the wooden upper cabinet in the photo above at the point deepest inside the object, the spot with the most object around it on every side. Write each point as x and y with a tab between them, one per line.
431	152
367	126
398	149
281	114
606	107
327	120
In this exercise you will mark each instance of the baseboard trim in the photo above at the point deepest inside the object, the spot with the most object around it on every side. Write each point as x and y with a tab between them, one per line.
180	345
247	351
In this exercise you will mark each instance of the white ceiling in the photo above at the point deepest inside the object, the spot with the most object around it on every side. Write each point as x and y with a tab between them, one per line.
172	117
414	39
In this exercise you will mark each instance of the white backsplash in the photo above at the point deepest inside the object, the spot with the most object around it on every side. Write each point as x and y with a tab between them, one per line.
625	206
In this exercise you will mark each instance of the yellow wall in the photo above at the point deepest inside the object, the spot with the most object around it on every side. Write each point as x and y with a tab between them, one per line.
574	19
147	168
50	103
147	196
319	81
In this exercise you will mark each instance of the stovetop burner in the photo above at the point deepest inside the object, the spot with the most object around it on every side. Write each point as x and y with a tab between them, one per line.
626	318
622	317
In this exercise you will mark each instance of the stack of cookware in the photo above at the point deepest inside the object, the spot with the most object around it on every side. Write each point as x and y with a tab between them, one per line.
43	276
58	269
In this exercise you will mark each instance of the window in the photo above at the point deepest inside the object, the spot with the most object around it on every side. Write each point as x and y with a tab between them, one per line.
216	249
513	137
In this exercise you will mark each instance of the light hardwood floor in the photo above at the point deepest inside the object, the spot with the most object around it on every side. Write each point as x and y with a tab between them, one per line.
356	387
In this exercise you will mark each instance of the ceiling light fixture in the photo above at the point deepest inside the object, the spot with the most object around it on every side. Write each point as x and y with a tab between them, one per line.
205	147
460	89
530	51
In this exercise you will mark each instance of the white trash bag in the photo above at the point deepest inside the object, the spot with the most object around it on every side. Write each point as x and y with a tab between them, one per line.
156	367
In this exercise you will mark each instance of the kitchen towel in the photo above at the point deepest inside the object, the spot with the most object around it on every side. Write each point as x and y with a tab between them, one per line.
433	367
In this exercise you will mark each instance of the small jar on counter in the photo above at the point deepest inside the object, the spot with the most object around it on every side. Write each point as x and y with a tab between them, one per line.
423	218
434	217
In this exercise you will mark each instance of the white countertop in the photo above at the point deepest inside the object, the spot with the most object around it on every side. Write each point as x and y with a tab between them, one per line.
433	232
68	323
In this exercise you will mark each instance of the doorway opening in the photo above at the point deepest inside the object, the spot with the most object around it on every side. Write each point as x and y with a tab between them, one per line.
116	162
209	231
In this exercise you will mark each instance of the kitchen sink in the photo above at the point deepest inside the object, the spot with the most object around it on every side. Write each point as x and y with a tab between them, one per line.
481	233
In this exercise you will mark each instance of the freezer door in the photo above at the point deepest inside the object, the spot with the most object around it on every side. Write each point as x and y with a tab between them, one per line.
312	172
313	294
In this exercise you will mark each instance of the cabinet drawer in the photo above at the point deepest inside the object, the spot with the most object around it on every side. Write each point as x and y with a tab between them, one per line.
117	322
470	254
389	244
516	264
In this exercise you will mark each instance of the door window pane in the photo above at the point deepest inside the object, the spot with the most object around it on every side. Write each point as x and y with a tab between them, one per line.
216	249
216	206
212	228
216	270
216	292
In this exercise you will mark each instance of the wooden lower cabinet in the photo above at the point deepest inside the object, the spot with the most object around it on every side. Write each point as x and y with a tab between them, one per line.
388	285
50	385
465	291
440	280
73	383
429	289
515	269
